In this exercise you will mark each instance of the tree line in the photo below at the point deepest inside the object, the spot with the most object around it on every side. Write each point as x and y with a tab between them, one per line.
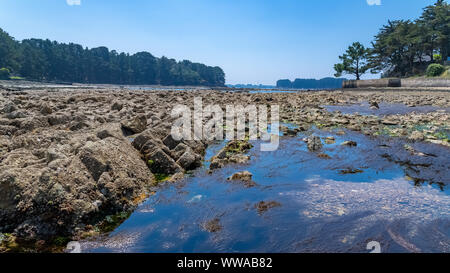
403	48
46	60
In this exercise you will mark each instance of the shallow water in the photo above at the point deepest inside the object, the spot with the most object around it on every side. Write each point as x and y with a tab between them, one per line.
322	210
385	109
271	91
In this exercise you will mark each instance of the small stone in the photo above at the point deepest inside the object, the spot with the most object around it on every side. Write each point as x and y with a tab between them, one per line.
245	177
349	143
263	206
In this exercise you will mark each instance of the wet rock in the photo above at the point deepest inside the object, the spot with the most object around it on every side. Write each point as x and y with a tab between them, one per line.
349	143
189	160
144	138
324	156
314	143
233	152
245	177
55	181
263	206
160	163
213	225
374	105
350	171
330	140
179	150
136	125
170	142
288	131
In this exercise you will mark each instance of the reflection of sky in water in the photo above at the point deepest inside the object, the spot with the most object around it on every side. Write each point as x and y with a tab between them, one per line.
321	209
387	199
271	91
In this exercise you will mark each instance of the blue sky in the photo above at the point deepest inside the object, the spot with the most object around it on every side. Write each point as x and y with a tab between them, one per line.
254	41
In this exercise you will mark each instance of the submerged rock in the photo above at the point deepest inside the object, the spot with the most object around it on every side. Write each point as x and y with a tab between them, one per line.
314	143
263	206
213	225
350	171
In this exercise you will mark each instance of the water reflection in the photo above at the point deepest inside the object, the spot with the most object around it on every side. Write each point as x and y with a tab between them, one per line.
321	209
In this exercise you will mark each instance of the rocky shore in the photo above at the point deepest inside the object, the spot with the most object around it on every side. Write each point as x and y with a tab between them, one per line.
76	162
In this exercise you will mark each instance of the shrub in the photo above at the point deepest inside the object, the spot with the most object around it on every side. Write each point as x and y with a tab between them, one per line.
435	70
4	73
437	58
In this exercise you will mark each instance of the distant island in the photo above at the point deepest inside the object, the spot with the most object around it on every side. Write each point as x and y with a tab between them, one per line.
45	60
325	83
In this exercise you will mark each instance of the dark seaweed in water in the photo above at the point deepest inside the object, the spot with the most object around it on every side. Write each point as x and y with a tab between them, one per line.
320	208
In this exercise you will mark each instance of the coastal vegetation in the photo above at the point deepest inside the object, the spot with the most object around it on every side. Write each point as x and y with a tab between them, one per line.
45	60
404	48
354	61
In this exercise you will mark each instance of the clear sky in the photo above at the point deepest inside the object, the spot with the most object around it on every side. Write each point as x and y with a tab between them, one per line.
254	41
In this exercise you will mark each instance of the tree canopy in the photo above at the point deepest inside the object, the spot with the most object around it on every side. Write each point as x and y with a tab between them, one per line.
404	48
354	61
47	60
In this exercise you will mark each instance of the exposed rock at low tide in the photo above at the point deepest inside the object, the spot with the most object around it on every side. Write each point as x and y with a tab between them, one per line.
245	177
314	143
69	159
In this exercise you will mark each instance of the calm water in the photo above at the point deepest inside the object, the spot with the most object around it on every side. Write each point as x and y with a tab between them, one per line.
271	91
322	210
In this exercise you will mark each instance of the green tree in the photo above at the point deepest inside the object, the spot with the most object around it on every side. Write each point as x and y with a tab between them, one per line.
8	51
435	20
354	61
39	59
4	73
